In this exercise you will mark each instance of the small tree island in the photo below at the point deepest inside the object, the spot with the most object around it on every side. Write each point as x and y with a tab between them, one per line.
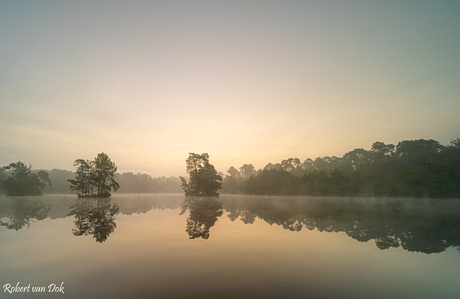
94	178
204	179
22	181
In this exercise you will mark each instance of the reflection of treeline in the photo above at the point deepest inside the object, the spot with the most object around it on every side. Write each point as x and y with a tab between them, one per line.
129	183
20	212
420	225
411	169
143	203
12	210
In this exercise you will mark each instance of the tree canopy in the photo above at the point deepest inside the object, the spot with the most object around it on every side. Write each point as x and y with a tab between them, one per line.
412	168
23	181
95	178
203	177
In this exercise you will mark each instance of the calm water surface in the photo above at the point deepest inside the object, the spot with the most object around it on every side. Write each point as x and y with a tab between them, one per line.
169	246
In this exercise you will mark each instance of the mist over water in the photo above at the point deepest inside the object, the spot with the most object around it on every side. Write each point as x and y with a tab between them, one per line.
236	245
322	141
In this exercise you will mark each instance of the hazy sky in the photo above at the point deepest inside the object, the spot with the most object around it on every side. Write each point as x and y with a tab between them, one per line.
147	82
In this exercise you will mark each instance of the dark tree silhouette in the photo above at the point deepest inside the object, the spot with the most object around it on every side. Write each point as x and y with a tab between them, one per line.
414	168
95	178
204	179
23	181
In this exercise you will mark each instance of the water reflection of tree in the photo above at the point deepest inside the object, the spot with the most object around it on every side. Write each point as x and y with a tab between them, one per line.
429	226
21	211
94	217
203	215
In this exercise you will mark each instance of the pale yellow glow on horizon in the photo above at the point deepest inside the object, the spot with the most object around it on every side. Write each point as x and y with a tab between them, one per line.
248	84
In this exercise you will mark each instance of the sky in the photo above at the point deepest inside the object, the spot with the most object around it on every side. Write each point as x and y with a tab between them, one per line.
148	82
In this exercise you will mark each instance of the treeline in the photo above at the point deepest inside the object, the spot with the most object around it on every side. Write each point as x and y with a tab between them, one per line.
144	183
21	180
129	182
412	168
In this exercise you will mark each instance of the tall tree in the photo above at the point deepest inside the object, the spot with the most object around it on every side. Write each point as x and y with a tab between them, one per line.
203	177
358	158
103	175
413	152
308	165
293	165
95	178
247	170
233	182
81	185
233	172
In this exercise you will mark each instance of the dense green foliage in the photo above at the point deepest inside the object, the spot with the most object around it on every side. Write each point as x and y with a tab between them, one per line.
23	181
204	179
413	168
94	178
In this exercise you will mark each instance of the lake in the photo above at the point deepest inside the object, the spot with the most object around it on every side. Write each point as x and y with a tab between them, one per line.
170	246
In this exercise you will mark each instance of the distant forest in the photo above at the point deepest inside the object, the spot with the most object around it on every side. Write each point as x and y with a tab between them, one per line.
129	182
412	168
